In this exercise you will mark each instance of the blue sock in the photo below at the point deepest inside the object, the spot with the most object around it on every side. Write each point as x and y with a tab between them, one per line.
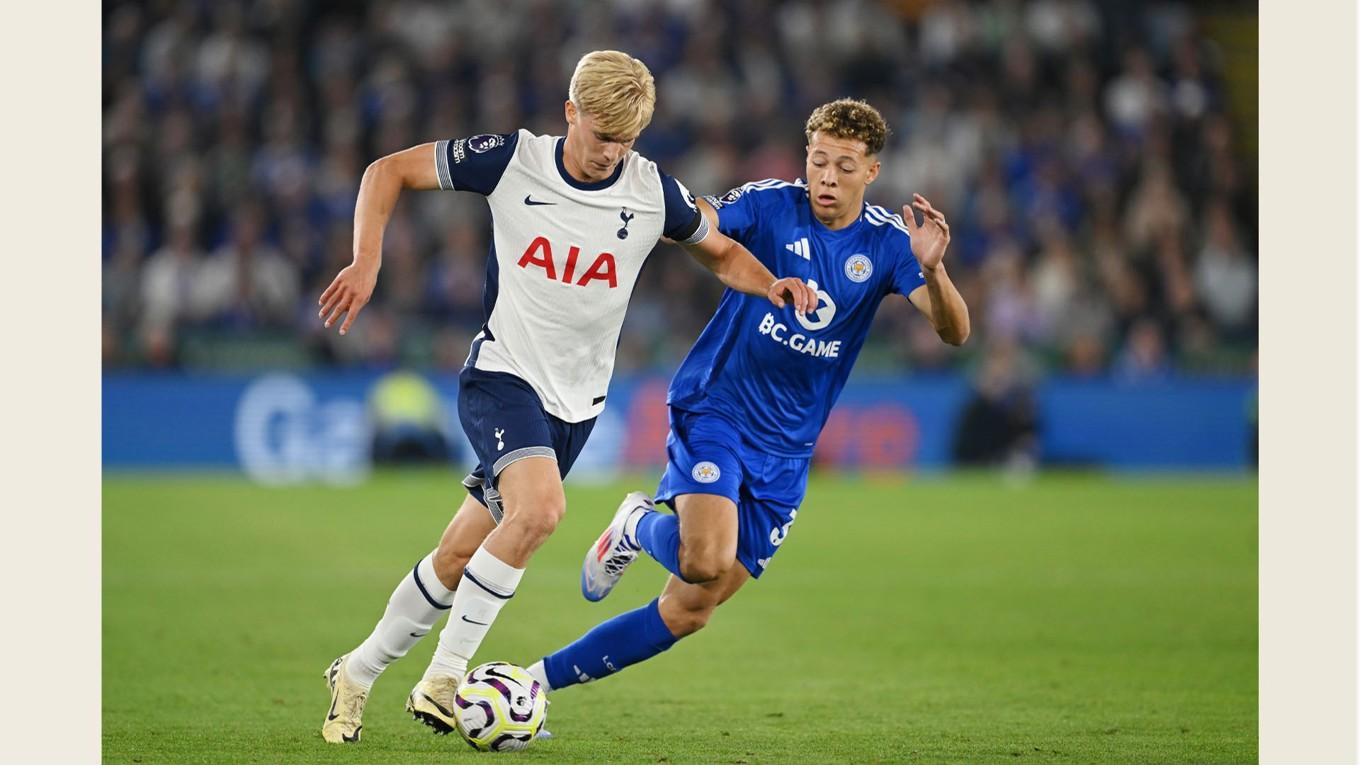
659	535
620	642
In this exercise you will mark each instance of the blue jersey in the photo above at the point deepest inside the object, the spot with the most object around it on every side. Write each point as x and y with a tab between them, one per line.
774	371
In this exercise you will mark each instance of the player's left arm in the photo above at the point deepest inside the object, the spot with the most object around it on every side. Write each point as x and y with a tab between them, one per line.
737	268
694	226
938	298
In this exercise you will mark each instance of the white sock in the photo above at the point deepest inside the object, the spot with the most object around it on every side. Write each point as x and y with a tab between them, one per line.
414	607
630	529
540	674
488	583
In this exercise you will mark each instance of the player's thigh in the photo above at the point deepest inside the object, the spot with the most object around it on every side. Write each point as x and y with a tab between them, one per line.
531	490
533	501
505	424
702	481
686	608
708	525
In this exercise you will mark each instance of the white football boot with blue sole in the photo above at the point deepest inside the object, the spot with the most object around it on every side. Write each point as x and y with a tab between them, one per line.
610	556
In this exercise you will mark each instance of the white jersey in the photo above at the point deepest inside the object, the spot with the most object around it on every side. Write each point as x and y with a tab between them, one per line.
564	258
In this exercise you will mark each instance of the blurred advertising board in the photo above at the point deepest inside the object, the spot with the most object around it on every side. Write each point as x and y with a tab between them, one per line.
284	428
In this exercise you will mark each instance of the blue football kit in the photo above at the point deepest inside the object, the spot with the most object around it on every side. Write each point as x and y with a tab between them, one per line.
748	402
750	399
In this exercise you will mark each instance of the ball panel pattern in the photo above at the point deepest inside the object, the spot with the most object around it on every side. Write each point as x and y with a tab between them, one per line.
500	707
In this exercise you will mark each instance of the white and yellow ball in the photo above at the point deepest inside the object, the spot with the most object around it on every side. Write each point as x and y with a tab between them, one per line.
499	707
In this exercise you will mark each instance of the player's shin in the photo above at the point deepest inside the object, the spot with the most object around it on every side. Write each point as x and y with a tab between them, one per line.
488	584
416	604
622	641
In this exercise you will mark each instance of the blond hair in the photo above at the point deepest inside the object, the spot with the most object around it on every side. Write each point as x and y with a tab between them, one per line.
616	90
852	119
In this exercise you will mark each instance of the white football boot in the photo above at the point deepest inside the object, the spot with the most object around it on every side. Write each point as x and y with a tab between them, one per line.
345	720
431	702
609	557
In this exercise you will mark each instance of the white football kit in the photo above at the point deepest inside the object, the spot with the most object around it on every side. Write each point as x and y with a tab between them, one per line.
565	256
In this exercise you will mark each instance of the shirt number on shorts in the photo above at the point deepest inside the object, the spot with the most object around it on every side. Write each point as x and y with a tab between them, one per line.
778	534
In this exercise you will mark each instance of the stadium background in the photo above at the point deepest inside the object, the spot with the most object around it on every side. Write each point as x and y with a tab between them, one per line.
1097	163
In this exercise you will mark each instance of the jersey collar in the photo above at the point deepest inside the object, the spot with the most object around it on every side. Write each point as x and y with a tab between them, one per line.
820	227
595	186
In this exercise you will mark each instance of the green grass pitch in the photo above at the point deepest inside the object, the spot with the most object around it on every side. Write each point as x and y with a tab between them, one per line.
1075	619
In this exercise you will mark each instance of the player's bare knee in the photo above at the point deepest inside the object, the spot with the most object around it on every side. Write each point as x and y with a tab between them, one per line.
703	566
538	520
701	573
543	522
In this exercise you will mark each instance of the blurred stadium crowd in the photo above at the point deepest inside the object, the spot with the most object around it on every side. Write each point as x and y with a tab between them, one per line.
1102	200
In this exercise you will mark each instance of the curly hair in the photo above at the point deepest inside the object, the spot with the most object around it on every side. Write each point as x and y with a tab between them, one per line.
850	118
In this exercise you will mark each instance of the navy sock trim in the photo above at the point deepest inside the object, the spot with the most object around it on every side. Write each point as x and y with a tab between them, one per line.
468	574
415	574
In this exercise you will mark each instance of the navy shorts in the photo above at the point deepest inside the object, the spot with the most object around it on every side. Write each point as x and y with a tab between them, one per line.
505	422
705	454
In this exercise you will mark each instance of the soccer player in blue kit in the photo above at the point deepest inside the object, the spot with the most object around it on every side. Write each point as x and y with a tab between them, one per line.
748	402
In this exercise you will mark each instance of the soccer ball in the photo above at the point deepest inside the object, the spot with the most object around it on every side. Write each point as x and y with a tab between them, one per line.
499	707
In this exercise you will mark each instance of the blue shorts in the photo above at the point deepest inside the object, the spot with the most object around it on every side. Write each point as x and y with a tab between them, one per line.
505	422
706	455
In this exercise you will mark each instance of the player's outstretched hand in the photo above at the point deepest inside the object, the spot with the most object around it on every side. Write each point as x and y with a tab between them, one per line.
348	294
794	290
928	240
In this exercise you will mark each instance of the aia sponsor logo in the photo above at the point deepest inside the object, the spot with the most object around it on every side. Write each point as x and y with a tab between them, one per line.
539	255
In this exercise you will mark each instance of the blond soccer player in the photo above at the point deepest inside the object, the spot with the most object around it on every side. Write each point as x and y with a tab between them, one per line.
574	219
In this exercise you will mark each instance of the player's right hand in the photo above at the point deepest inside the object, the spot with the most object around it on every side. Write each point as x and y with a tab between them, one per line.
348	294
795	290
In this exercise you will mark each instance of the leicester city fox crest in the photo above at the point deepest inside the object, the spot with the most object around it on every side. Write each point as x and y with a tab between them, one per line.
858	268
705	472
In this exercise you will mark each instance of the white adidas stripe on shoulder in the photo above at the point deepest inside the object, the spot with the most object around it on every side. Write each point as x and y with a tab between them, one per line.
879	216
768	183
882	214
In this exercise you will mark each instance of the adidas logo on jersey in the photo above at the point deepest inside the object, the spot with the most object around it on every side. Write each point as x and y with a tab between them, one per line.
801	248
540	255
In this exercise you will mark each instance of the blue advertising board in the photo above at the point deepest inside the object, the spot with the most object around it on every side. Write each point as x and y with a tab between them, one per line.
284	428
